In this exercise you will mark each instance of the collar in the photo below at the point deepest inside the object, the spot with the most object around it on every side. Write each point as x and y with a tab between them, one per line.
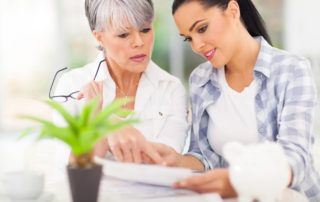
103	73
264	59
209	74
154	74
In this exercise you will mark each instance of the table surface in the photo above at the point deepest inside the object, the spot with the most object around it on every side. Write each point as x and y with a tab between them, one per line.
21	155
114	190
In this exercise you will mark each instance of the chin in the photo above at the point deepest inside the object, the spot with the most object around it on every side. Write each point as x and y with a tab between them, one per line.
217	63
139	68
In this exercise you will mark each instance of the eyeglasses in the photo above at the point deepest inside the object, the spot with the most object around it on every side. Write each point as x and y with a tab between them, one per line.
73	95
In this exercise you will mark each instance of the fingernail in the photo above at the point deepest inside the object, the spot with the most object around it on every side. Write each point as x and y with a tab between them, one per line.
164	163
175	185
183	183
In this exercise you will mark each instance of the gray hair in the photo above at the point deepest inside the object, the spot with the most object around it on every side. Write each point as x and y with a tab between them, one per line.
113	14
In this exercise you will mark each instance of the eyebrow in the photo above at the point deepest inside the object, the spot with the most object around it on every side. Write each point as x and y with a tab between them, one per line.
194	24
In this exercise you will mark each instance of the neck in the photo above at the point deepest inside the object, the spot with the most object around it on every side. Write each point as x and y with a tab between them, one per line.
245	57
123	79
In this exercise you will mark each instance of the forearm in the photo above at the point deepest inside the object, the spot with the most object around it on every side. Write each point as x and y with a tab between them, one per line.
189	161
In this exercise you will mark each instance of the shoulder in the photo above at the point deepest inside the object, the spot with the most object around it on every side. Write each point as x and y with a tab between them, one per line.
159	76
74	79
81	75
289	65
285	58
291	75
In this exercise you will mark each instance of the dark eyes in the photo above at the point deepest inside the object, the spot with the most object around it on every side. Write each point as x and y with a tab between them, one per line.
201	30
146	30
187	39
125	35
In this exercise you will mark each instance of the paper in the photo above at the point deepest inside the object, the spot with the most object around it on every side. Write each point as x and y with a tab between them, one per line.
120	190
134	190
144	173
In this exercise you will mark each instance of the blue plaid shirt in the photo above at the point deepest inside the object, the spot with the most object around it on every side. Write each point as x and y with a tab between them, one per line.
284	105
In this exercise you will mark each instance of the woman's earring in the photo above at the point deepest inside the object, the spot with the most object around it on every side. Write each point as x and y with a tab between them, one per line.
100	47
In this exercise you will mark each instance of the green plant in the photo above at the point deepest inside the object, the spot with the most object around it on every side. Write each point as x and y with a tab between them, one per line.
85	129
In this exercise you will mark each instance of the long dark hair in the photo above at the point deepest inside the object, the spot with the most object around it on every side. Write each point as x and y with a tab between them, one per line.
249	14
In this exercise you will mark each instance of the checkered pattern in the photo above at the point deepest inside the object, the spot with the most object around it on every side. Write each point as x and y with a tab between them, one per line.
284	105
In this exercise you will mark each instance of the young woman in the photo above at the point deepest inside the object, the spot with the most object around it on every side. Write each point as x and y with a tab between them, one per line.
123	68
248	91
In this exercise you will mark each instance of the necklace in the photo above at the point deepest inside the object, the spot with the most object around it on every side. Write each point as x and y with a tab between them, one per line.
126	95
117	86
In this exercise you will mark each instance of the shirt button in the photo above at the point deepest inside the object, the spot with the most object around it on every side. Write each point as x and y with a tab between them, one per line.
262	130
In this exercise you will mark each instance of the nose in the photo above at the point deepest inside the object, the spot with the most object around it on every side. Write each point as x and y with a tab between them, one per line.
197	45
137	40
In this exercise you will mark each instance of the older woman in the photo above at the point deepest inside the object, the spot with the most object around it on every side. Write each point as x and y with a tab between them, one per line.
124	68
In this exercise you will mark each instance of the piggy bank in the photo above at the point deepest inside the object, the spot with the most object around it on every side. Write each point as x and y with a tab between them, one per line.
257	172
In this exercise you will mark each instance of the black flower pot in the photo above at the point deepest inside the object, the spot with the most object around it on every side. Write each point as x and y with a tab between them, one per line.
84	183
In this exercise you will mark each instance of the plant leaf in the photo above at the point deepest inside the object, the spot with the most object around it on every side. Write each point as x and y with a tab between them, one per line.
83	130
114	106
68	117
27	131
113	127
123	112
87	111
39	120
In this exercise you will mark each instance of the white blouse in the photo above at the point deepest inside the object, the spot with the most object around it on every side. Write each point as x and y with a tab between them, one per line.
232	117
160	103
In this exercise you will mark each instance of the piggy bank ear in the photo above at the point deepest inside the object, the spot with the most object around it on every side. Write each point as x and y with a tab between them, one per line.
232	151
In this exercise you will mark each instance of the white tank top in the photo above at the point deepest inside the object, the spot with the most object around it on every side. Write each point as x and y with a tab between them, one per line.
232	117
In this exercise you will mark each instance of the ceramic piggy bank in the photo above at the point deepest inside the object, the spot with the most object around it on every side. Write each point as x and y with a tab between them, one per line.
259	171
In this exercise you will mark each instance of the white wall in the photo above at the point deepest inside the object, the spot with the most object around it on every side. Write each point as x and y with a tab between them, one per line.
302	27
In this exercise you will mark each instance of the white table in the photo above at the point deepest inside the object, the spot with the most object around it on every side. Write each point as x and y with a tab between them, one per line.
113	190
20	155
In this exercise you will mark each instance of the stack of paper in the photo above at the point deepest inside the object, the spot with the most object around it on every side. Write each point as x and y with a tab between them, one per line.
145	173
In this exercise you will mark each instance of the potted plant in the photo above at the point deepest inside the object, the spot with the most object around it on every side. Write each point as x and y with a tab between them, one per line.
81	133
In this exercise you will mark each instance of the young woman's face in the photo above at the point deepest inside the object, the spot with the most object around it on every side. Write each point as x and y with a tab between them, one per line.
211	32
130	50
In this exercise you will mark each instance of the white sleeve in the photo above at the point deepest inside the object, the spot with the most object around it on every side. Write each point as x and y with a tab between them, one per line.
175	130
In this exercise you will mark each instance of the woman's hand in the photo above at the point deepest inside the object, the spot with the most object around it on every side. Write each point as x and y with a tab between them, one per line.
101	148
216	180
175	159
92	90
129	145
168	154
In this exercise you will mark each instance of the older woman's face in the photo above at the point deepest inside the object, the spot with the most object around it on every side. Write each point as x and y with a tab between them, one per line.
211	32
130	50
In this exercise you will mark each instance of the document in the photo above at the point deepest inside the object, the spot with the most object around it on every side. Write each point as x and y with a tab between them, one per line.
144	173
147	183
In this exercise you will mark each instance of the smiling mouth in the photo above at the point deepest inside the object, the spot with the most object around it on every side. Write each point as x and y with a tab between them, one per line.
209	54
